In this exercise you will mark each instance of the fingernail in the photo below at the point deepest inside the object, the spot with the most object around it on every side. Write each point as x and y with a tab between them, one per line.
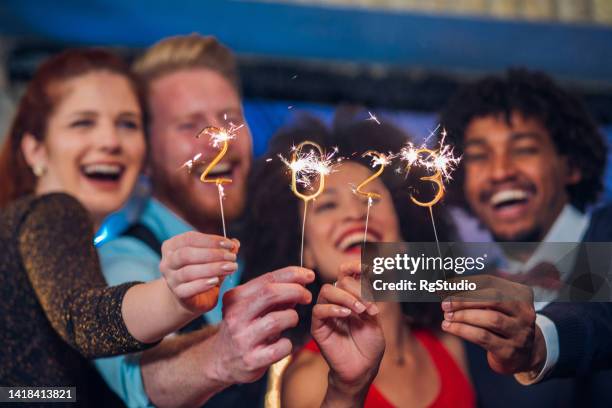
343	310
373	310
212	281
359	306
445	324
229	256
446	306
230	266
448	316
226	244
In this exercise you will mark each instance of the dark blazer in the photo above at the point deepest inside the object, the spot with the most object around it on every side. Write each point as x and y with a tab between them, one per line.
56	310
579	348
585	329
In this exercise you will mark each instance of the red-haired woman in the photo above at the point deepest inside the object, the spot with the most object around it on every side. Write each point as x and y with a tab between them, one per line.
72	156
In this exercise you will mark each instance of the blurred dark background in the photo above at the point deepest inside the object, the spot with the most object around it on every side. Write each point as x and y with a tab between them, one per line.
400	59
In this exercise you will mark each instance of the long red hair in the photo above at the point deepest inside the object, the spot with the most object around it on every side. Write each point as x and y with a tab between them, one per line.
37	105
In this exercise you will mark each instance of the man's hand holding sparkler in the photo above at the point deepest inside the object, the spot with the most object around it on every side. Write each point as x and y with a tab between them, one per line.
194	265
255	314
500	317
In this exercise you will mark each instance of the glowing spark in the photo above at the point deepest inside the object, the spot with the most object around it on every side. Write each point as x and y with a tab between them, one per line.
443	159
308	166
294	77
189	164
218	136
378	160
268	160
373	117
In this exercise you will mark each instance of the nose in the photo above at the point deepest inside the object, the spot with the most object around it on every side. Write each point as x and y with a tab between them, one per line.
502	169
108	139
356	208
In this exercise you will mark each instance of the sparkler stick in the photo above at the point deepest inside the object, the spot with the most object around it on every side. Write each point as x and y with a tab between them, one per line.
305	167
378	159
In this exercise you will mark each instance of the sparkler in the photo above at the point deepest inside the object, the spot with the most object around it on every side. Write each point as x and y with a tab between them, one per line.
378	160
305	168
373	117
218	137
441	161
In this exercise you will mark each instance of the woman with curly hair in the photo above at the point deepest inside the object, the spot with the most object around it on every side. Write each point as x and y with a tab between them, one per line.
345	337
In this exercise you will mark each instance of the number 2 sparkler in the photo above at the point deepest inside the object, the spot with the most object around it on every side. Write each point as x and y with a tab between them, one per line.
218	137
380	160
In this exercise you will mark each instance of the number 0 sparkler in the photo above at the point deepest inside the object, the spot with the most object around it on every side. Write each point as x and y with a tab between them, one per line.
305	168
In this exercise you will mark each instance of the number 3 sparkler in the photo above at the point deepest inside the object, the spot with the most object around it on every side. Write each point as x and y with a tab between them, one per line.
436	178
442	161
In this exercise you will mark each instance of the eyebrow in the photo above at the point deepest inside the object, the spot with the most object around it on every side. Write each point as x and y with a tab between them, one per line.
84	113
525	135
129	113
94	113
477	141
514	136
189	116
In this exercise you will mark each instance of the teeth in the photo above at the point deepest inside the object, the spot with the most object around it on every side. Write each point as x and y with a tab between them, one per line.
352	239
220	168
108	169
508	195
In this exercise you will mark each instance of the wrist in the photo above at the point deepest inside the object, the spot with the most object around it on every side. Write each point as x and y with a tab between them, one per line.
180	310
342	393
538	352
218	374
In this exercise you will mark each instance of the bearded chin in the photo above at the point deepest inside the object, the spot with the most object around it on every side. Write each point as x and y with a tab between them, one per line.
205	216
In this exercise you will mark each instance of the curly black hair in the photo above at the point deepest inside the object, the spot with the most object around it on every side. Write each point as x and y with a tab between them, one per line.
534	95
272	222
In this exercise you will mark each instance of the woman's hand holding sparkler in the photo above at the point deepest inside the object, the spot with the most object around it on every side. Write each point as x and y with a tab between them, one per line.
194	266
349	335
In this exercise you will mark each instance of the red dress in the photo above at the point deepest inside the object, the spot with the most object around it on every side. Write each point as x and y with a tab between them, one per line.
455	389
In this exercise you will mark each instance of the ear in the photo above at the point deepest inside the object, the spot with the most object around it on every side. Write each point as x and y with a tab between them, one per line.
34	151
574	175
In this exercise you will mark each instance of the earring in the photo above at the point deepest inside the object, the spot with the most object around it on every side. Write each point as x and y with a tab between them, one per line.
39	170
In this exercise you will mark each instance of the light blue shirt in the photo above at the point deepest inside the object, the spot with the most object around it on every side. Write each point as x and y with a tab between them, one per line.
127	259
